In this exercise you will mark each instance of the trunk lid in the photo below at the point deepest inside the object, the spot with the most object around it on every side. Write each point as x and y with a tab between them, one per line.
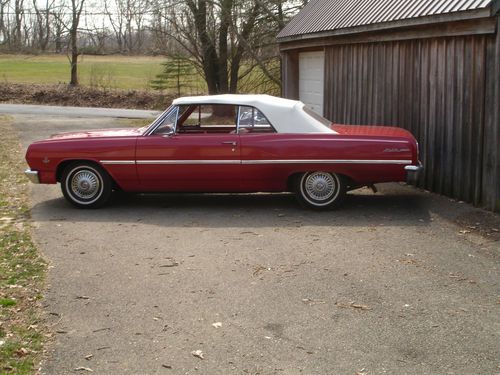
371	131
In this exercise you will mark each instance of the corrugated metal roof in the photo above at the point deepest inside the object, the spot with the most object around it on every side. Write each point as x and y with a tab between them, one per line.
329	15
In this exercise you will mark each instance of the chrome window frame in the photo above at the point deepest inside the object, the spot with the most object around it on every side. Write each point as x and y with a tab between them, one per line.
159	120
253	111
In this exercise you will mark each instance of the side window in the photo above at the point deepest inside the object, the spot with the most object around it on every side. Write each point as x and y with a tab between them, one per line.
207	119
167	125
251	120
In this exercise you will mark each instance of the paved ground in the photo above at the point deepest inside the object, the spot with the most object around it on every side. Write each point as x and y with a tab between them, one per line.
389	284
44	110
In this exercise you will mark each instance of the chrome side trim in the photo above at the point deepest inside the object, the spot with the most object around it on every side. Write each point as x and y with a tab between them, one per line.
117	162
32	176
370	140
325	161
145	162
256	162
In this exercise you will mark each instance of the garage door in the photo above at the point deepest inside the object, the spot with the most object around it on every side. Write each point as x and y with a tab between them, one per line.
311	79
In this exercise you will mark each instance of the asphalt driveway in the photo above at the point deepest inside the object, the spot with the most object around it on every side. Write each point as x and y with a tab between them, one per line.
388	284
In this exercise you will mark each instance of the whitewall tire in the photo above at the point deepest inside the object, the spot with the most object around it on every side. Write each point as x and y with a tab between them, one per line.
320	190
86	185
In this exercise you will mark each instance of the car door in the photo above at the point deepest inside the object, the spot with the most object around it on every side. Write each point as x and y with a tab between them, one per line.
200	158
262	151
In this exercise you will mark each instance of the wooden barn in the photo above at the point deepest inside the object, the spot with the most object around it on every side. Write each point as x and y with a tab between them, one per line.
430	66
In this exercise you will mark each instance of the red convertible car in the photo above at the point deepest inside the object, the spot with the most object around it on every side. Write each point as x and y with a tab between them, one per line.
226	143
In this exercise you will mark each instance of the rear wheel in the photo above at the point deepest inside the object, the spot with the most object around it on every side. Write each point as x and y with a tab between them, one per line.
86	185
320	190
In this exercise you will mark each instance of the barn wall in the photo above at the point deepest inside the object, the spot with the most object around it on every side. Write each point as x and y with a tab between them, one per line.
444	90
491	152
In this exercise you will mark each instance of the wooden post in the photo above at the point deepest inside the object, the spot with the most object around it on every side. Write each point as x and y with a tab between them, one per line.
491	143
290	75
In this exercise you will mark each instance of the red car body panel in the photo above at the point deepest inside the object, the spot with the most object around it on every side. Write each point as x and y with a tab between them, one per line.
228	162
48	156
195	172
255	162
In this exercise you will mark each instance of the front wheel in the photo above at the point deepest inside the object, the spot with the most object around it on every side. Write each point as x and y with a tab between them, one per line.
86	185
320	190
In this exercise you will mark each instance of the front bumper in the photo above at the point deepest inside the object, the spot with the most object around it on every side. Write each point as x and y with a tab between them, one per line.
412	172
32	175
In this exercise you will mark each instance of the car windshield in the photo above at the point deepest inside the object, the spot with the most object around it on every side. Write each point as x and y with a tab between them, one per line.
317	117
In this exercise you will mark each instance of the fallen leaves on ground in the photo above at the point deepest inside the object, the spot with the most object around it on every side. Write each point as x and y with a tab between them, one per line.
84	369
198	354
352	305
311	301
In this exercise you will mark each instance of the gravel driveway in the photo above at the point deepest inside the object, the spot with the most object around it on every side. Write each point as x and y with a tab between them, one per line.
388	284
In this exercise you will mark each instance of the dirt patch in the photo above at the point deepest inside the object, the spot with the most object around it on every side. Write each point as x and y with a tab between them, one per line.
487	224
66	95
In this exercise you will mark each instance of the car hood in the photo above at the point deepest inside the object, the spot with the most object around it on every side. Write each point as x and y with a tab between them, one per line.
371	130
102	133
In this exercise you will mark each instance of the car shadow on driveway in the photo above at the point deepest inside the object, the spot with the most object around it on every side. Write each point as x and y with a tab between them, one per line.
401	206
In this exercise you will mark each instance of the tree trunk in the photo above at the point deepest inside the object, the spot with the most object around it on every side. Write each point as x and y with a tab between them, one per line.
74	68
225	22
209	53
58	41
18	10
73	32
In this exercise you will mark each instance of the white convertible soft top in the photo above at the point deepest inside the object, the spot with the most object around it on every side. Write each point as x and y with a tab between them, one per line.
286	116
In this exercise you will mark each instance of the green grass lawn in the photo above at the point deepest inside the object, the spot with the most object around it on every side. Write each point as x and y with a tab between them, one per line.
122	72
109	72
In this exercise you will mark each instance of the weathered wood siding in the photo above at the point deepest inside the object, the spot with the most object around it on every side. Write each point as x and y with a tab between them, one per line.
444	90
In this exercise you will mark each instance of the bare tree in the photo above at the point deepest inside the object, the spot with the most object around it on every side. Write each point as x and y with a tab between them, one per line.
161	30
205	30
76	11
116	20
4	33
127	19
98	35
18	23
71	26
140	8
228	39
228	42
57	17
42	26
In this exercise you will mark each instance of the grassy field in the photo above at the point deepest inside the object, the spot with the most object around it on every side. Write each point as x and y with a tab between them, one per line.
122	72
22	269
110	72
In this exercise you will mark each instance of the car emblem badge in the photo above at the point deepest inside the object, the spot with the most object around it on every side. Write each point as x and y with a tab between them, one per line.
46	160
396	150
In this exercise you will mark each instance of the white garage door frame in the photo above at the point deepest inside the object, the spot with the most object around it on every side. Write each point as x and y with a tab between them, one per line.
312	79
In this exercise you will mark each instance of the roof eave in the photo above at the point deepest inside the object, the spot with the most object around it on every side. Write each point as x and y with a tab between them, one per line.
420	21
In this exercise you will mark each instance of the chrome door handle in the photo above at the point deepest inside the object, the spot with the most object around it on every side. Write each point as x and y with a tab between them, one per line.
232	143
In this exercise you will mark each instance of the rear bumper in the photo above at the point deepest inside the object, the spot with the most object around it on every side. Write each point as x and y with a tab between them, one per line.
32	175
412	172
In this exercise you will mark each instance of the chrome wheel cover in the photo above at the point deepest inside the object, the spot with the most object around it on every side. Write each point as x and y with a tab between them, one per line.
320	189
320	186
85	184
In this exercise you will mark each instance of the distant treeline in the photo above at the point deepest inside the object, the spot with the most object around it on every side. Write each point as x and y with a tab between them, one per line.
224	40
